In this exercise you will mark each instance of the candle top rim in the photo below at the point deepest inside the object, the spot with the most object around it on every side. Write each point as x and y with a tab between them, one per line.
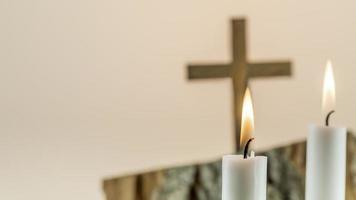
240	156
316	125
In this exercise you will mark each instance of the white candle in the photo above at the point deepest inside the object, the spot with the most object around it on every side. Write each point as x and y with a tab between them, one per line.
326	151
244	177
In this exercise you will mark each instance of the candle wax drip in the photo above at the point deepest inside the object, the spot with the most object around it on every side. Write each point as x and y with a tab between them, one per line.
328	117
246	147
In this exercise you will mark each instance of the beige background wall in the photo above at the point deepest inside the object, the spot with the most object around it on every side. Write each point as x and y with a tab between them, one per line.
94	89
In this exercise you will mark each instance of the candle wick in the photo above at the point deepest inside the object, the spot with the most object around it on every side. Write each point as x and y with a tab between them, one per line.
328	117
246	147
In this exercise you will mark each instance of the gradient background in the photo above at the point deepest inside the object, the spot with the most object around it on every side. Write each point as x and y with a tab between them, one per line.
94	89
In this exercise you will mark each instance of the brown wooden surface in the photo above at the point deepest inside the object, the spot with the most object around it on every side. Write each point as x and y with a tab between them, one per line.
240	70
123	188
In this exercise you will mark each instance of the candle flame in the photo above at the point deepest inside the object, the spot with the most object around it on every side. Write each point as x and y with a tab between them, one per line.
247	122
328	102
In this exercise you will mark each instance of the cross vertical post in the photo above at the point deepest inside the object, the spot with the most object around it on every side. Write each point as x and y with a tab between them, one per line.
238	75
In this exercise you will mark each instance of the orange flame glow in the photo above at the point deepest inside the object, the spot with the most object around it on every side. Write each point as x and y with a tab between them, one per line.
247	122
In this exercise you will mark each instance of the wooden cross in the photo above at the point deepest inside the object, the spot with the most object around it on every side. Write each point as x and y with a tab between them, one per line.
240	70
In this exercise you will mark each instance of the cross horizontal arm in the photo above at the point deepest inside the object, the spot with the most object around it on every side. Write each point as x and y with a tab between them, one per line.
209	71
270	69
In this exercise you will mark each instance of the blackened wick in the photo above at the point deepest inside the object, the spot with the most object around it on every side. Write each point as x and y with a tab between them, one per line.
328	117
246	147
